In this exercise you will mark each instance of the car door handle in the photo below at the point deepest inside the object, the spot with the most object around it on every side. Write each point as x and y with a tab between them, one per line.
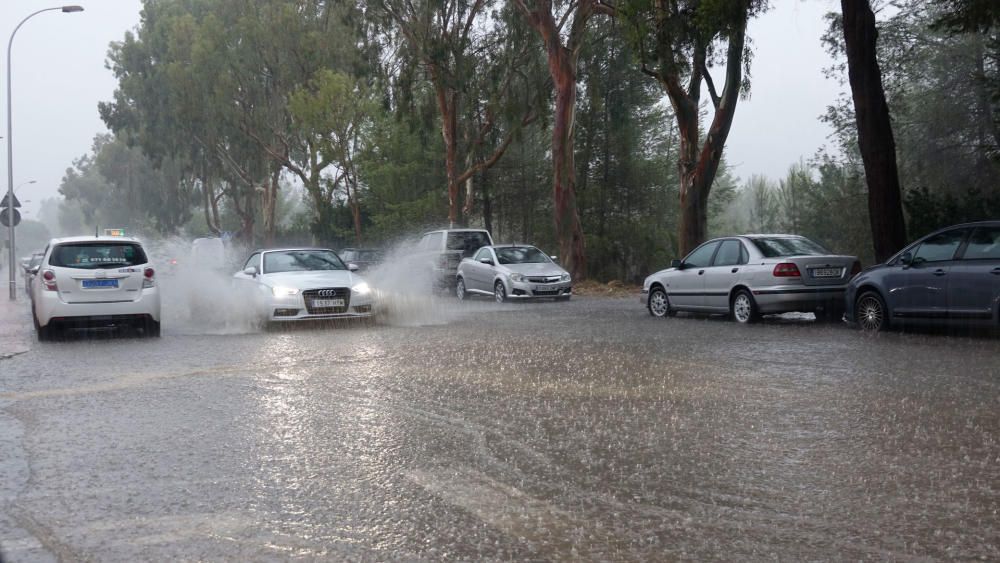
940	272
700	272
735	270
995	271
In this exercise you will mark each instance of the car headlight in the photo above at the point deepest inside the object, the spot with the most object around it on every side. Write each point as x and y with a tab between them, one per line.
361	288
516	277
564	277
279	291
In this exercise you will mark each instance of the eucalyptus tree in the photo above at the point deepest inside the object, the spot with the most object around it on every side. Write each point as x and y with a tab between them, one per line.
678	41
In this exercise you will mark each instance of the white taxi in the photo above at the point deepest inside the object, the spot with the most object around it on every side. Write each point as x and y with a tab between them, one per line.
104	281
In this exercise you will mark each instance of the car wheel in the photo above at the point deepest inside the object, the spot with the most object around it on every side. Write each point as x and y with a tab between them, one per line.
460	290
44	332
151	328
499	292
870	312
742	308
658	303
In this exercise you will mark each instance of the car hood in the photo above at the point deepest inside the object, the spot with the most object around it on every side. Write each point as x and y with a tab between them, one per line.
311	280
540	269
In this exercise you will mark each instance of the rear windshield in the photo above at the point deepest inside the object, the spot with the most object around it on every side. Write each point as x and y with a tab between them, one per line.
467	241
97	255
780	247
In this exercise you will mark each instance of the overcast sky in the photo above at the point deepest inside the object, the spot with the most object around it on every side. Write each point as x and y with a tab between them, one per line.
59	77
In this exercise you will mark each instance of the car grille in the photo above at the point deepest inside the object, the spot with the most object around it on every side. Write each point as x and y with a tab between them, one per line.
544	279
546	292
327	293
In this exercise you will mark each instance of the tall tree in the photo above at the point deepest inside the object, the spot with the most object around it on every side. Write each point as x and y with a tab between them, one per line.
875	139
678	40
563	56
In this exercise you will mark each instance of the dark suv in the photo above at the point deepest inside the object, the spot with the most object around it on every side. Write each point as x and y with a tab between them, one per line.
949	276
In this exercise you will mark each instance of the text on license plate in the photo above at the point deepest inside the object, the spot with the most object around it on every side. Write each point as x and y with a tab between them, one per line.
826	273
91	284
321	303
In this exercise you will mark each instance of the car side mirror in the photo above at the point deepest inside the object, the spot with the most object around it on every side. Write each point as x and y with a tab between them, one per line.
677	264
554	258
250	271
34	271
906	259
353	267
487	261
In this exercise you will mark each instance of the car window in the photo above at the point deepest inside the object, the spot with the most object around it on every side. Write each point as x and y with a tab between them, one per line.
984	244
781	247
301	261
97	255
483	253
744	255
467	241
368	255
940	247
347	255
702	256
729	254
254	261
432	241
521	255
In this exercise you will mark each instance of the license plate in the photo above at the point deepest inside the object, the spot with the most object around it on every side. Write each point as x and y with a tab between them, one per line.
323	303
95	284
826	273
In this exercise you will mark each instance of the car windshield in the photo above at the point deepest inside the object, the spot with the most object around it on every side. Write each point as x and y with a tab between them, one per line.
521	255
369	256
301	261
467	241
780	247
97	255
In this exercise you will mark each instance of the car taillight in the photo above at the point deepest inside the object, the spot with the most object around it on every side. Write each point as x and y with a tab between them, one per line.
147	280
856	268
786	270
49	280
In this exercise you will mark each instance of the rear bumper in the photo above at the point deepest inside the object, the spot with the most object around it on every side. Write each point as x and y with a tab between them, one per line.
50	308
798	299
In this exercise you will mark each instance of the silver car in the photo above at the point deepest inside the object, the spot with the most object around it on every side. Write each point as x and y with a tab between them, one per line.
511	271
752	275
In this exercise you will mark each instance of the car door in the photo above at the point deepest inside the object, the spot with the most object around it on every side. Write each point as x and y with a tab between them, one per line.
246	284
920	289
974	280
724	273
477	272
686	286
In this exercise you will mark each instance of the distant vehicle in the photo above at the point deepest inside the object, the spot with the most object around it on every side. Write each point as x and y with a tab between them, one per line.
364	258
951	276
296	284
30	266
209	254
512	272
752	275
95	281
439	252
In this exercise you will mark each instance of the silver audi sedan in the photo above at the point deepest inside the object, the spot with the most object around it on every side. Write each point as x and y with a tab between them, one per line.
510	271
752	275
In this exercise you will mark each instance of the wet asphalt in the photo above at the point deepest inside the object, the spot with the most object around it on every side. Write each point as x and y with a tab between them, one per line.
584	430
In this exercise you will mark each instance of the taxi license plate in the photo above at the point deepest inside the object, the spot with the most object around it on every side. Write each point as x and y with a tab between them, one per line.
94	284
323	303
826	273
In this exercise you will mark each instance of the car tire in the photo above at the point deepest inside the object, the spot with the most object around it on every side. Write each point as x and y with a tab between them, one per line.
44	333
151	328
870	312
499	292
460	290
658	304
742	308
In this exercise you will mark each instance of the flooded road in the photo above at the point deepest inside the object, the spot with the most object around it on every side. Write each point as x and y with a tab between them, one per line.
548	431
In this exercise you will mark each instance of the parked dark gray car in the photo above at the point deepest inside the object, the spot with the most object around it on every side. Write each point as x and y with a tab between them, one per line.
949	276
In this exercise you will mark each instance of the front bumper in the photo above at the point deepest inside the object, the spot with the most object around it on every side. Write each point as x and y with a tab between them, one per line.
529	290
293	308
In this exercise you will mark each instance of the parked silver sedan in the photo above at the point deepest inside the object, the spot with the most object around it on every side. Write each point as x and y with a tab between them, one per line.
512	272
751	275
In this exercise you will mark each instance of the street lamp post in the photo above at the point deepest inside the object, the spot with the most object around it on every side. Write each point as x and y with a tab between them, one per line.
10	143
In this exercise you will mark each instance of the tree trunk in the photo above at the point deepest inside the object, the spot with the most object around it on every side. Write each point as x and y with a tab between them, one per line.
568	229
268	206
447	101
487	203
875	139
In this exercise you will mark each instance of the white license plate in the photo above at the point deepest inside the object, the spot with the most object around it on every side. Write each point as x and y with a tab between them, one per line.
826	273
323	303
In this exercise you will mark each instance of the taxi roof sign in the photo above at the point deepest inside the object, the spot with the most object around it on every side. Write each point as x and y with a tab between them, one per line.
114	232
